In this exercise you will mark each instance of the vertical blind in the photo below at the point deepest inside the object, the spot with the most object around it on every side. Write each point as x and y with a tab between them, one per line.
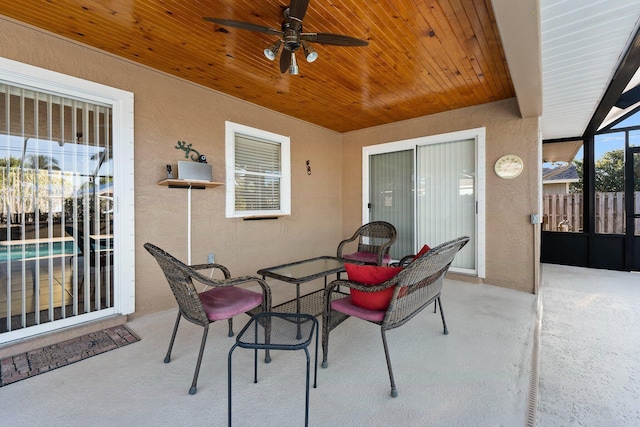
445	202
56	206
258	174
391	196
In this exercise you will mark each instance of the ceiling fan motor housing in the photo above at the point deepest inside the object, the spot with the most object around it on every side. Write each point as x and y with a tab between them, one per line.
291	36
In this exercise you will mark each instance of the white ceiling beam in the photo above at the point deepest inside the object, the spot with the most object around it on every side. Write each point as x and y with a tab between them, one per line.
519	26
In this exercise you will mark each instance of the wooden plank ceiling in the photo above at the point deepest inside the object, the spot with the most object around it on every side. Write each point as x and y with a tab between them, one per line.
423	57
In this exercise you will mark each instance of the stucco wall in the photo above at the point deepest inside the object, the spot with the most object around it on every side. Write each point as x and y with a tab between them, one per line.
169	109
510	246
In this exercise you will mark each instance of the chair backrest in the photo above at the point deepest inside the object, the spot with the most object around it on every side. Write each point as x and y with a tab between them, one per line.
374	237
179	275
421	282
105	258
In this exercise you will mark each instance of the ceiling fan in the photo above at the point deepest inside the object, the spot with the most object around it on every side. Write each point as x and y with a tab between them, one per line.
292	37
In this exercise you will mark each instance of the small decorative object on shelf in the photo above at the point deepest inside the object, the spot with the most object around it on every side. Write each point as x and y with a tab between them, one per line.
169	173
195	155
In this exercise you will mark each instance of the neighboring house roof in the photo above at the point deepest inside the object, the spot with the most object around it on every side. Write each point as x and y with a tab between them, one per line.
567	173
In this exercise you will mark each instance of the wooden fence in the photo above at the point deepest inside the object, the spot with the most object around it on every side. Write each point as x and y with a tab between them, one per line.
563	212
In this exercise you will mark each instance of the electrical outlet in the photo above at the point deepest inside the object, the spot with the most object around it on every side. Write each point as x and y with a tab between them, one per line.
211	259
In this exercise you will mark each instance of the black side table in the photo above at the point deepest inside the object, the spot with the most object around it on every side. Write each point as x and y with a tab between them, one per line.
278	331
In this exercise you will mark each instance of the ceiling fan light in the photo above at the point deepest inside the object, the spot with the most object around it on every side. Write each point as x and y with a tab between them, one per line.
272	51
309	52
293	68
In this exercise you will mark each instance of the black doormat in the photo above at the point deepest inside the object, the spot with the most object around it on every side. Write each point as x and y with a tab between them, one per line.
35	362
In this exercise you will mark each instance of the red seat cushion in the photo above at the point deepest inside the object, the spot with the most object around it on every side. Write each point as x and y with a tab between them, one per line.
371	275
229	301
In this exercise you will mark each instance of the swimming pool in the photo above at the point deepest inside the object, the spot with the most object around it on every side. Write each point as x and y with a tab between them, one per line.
17	250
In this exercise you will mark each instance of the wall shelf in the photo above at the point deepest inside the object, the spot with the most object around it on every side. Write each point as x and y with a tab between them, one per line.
186	183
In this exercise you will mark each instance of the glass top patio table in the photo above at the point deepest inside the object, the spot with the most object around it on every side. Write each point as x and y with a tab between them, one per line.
305	271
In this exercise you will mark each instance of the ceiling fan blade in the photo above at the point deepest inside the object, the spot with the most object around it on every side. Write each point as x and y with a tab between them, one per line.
333	39
285	60
298	9
244	26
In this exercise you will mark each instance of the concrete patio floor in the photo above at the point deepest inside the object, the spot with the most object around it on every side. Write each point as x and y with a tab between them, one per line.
477	375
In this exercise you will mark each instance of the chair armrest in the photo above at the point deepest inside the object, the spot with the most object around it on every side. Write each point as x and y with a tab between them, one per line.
384	249
344	242
220	267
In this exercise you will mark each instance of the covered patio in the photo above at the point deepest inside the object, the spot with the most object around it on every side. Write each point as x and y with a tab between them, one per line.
485	372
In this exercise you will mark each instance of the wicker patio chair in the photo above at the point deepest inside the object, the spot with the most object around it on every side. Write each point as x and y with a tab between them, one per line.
374	242
416	286
223	301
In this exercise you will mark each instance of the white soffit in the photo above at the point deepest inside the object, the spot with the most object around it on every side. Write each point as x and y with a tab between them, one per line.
582	44
561	151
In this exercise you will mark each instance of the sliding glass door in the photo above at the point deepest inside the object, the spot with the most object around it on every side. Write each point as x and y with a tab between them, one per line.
56	207
66	146
432	190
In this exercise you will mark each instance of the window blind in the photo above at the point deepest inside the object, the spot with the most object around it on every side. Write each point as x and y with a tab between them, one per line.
446	196
55	194
258	174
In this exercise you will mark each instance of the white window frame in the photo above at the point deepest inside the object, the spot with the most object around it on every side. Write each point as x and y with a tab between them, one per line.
121	102
477	134
231	129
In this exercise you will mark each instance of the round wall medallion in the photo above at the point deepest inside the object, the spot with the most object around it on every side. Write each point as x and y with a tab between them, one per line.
508	166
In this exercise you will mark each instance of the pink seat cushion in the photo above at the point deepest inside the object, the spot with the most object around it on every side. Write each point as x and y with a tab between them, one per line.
225	303
345	305
368	257
371	275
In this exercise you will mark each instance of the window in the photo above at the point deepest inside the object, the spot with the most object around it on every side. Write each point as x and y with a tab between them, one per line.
258	172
